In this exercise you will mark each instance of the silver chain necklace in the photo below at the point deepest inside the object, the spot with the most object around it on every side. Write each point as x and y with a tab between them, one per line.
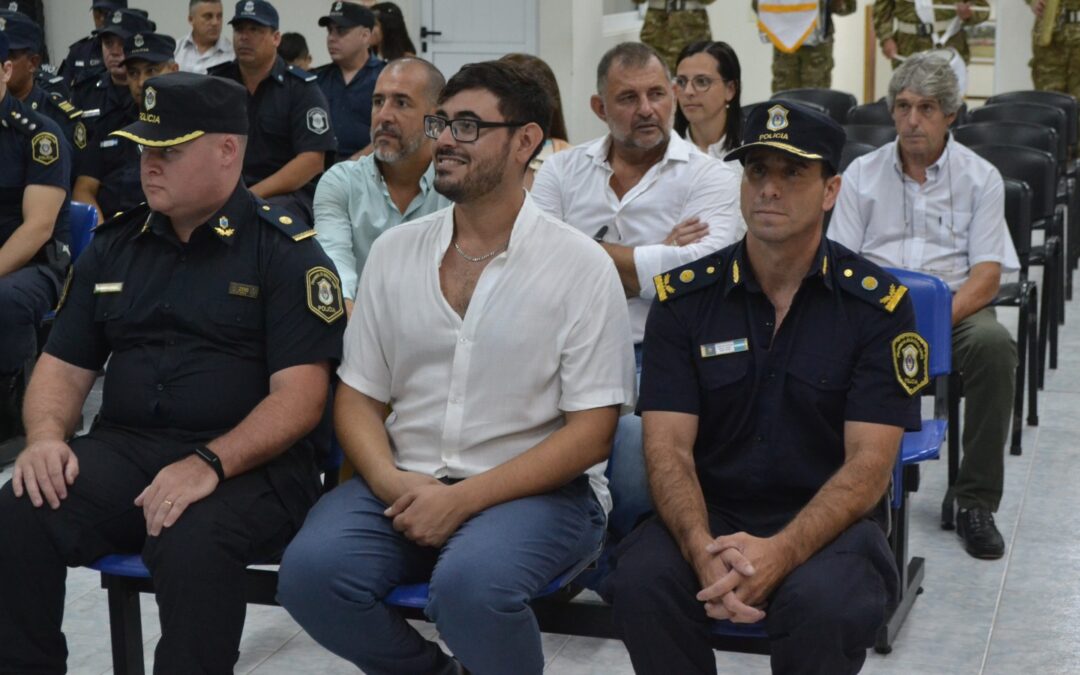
482	258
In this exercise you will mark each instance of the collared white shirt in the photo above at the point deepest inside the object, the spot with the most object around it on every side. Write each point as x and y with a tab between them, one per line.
946	226
191	61
715	150
546	332
575	186
353	208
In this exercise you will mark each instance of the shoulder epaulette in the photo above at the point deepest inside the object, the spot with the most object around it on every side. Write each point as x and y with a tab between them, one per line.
870	283
294	228
65	106
689	278
302	74
25	122
139	215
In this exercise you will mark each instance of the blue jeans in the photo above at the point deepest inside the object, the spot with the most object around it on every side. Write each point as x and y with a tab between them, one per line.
627	478
348	557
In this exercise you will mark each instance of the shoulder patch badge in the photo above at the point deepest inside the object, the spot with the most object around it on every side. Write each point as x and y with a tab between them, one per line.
911	360
45	149
80	135
318	121
324	294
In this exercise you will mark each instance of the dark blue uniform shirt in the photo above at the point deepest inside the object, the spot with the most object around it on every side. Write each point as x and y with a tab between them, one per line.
99	98
83	61
287	116
350	104
114	163
772	408
33	151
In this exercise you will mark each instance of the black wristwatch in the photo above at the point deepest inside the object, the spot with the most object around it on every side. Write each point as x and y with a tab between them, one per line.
207	455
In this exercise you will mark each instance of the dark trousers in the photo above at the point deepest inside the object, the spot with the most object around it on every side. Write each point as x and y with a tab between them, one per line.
821	619
26	295
197	564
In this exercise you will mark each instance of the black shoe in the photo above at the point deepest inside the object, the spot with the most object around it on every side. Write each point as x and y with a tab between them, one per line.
981	537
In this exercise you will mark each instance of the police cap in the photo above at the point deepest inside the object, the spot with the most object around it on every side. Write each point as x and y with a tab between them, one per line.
109	4
152	47
348	15
21	32
257	11
180	107
794	129
126	22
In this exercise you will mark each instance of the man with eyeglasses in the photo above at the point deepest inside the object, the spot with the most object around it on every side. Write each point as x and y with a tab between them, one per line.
349	80
651	200
929	204
500	338
291	134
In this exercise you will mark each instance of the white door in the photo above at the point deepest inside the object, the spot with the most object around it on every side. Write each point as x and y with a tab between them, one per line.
456	32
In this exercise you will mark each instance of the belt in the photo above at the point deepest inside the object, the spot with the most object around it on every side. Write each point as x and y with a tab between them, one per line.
675	5
922	29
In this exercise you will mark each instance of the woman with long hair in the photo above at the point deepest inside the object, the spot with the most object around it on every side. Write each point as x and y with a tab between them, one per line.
708	84
556	139
390	39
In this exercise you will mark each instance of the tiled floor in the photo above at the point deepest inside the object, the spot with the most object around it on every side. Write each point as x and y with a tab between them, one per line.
1020	614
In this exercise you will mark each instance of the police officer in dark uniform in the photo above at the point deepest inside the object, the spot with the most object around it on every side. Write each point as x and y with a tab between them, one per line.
349	80
100	96
33	86
83	61
290	126
773	404
34	237
221	318
107	176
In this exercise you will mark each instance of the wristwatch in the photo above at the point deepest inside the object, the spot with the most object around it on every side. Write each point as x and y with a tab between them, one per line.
207	455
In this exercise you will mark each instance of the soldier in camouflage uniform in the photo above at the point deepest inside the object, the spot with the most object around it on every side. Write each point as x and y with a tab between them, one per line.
810	65
1056	67
670	25
901	32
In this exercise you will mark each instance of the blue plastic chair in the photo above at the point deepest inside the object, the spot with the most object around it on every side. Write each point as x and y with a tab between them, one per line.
82	219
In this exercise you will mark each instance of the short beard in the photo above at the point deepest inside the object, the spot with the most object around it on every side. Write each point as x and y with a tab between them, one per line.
484	177
408	149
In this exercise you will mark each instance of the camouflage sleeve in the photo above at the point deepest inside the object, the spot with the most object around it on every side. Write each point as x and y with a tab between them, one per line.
842	7
753	5
883	19
981	12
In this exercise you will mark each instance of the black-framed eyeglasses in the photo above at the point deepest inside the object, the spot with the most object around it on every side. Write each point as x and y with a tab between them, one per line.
701	82
463	129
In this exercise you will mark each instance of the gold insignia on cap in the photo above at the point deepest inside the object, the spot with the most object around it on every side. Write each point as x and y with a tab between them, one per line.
686	276
223	229
778	118
664	289
150	99
911	359
324	294
869	283
285	220
848	273
45	149
710	269
735	271
893	298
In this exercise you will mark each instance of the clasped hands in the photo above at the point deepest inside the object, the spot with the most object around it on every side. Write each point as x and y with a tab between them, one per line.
429	512
738	572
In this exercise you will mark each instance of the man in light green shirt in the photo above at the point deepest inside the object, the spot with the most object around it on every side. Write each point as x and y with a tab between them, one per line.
356	201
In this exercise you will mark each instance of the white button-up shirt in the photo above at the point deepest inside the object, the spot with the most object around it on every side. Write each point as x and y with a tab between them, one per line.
353	208
944	227
546	332
575	186
191	61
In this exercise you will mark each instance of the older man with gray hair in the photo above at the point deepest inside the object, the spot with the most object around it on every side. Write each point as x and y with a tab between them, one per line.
927	203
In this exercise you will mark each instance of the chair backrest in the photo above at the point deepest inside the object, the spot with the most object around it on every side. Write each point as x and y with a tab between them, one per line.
961	116
837	103
876	135
876	113
1016	133
1018	217
933	316
1065	102
747	109
81	219
1035	113
852	151
1034	167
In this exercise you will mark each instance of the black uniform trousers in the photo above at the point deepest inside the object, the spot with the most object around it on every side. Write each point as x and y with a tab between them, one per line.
821	619
26	296
197	564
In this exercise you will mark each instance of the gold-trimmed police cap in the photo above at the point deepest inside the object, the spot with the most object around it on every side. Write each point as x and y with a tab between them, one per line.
180	107
794	129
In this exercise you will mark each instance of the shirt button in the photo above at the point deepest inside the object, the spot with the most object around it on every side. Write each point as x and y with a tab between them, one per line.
463	340
183	258
167	306
759	438
772	374
455	400
160	387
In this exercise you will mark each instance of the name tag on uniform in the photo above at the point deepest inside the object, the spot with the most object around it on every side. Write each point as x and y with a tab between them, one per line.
111	287
95	112
110	143
243	290
722	348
